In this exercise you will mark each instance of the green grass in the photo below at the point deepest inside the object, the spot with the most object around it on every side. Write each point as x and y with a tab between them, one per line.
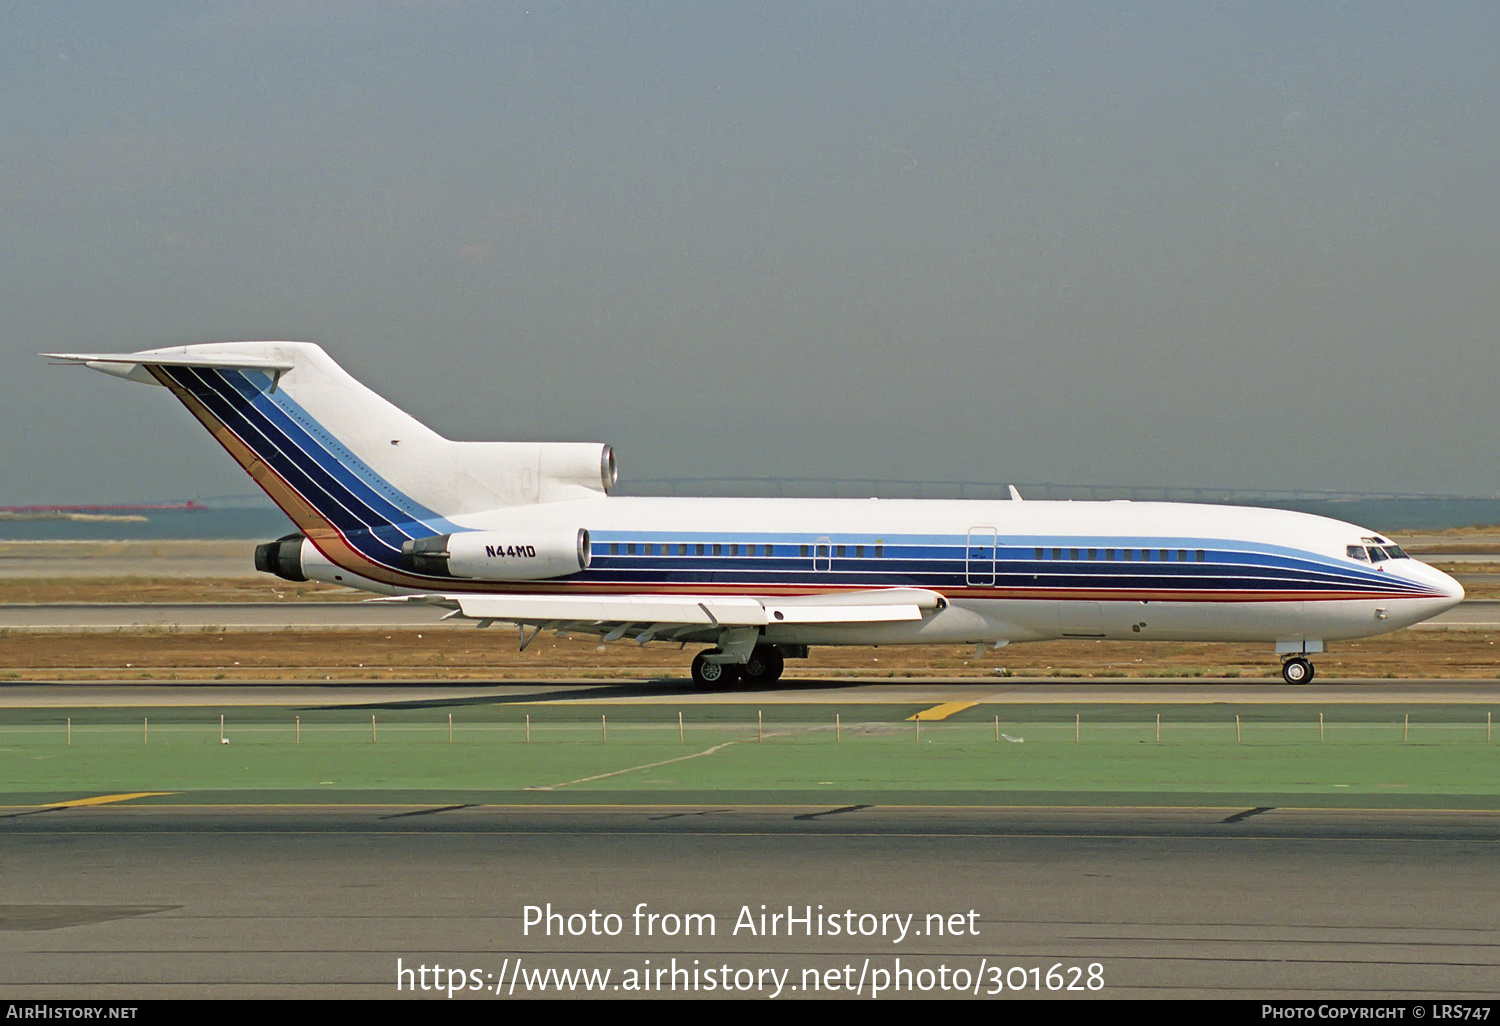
1367	753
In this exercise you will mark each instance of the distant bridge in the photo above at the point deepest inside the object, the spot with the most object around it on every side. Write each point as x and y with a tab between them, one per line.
138	507
893	488
908	488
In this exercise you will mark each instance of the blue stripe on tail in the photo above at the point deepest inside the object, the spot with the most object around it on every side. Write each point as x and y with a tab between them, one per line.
368	510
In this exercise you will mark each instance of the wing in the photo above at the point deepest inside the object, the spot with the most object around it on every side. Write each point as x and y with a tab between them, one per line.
682	617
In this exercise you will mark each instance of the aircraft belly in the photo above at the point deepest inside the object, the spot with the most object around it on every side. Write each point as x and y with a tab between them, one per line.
975	621
1267	621
960	622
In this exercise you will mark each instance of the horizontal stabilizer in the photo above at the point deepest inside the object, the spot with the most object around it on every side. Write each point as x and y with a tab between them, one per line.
238	361
133	366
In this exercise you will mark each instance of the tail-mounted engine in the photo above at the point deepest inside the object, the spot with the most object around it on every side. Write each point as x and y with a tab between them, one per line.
282	557
526	555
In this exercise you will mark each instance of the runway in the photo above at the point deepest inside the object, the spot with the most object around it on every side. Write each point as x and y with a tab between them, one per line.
672	694
321	901
1477	614
174	902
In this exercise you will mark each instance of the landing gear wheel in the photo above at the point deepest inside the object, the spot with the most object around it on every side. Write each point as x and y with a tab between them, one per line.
1297	670
763	667
711	675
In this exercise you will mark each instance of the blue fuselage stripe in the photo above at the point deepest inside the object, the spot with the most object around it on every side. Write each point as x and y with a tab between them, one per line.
956	566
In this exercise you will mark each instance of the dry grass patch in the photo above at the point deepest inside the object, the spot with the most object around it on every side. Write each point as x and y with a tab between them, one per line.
457	654
19	590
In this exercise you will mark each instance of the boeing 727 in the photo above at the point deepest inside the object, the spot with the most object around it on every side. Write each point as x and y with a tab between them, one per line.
527	534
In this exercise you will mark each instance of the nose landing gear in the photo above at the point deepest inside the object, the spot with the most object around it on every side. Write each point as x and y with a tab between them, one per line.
1297	670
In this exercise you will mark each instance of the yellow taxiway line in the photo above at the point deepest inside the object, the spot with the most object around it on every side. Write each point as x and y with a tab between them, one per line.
106	799
942	712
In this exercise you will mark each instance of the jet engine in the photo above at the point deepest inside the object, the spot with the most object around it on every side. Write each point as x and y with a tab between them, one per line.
282	557
524	555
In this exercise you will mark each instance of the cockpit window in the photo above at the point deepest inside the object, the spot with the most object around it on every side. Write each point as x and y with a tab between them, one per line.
1376	550
1357	552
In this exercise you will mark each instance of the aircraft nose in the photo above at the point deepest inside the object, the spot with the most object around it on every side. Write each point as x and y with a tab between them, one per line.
1453	589
1434	578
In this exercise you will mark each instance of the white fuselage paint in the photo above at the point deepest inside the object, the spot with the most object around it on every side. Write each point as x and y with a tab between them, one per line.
998	603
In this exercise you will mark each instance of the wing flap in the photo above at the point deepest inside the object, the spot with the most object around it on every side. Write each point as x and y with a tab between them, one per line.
656	613
706	611
892	613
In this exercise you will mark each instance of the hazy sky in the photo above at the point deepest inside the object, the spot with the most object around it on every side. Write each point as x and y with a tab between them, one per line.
1192	244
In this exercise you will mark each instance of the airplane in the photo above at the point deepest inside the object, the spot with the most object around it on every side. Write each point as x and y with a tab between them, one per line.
527	534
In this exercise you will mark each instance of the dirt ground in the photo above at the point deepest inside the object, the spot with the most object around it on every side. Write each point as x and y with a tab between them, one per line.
17	590
457	654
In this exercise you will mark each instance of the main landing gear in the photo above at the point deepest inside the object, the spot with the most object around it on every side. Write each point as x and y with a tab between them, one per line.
1297	670
764	666
710	675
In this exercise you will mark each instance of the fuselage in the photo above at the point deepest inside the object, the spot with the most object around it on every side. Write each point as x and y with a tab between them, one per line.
1008	571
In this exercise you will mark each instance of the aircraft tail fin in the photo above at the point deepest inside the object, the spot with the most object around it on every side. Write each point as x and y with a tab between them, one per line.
339	458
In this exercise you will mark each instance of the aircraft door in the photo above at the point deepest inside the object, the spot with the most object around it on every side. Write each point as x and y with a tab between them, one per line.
979	555
823	554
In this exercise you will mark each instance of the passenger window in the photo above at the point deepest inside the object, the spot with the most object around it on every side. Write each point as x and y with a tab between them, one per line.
682	550
1182	555
1057	553
630	549
1109	553
614	548
804	552
1162	557
1126	554
1199	556
1093	553
1074	553
734	550
859	552
839	552
718	550
1038	553
699	547
880	552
